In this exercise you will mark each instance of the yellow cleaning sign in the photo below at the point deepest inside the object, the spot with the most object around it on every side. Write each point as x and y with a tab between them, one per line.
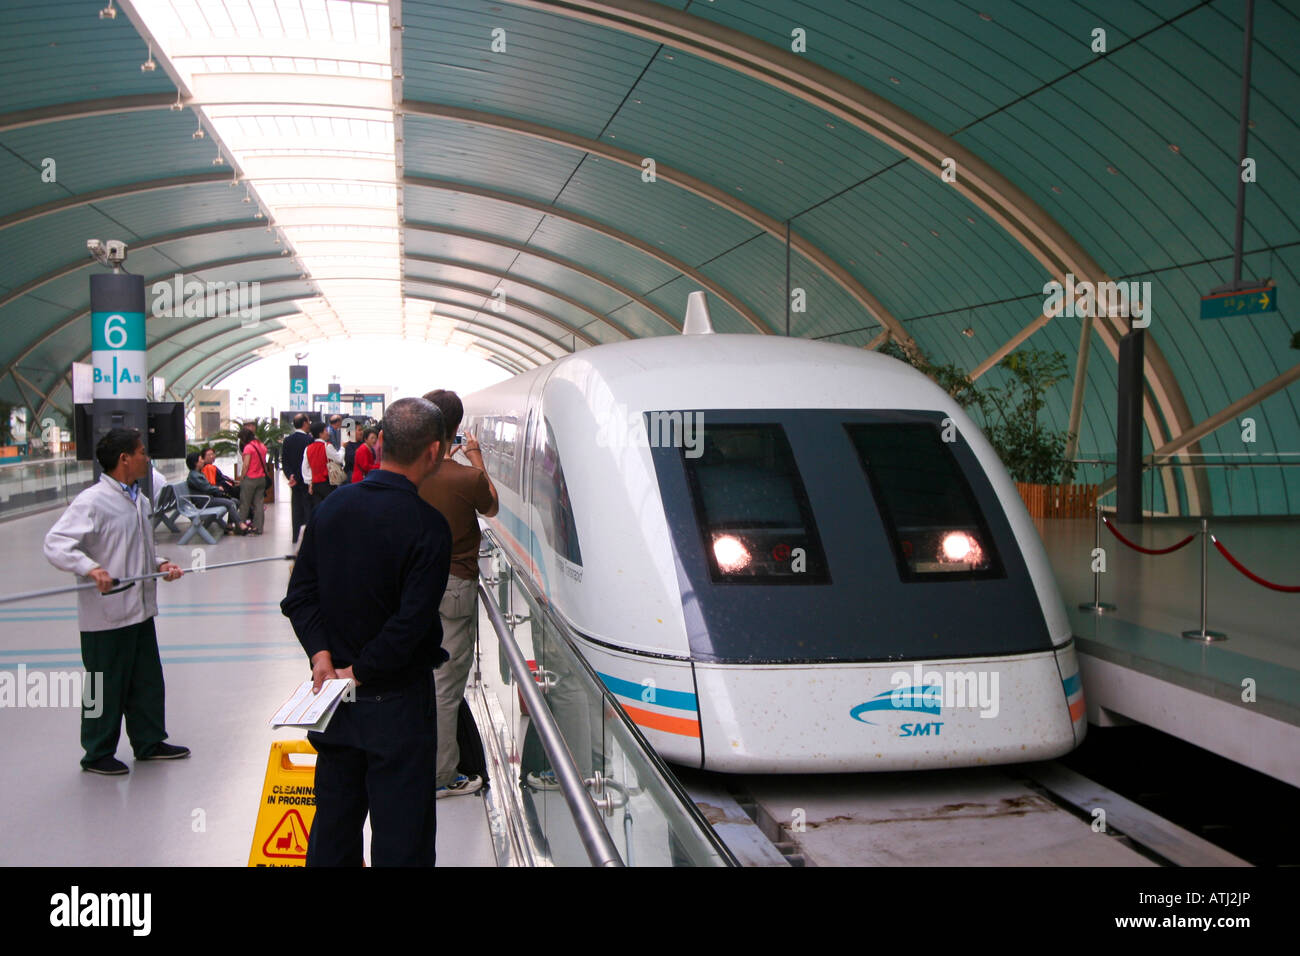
288	806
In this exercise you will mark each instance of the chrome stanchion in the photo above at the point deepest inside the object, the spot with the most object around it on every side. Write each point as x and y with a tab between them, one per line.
1097	606
1203	634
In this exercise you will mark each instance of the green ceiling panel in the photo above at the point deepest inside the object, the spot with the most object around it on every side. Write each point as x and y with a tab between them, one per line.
1014	81
631	268
115	150
554	72
664	215
64	53
467	153
466	212
425	243
756	144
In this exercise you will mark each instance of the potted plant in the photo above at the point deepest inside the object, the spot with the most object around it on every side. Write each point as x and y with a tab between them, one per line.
1032	454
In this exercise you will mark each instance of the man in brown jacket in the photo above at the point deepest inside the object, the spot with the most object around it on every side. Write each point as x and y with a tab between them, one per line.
461	493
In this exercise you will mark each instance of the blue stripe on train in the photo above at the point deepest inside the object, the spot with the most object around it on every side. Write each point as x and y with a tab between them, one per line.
676	699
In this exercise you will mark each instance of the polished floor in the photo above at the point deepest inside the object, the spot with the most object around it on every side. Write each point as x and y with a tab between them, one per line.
1158	597
1163	592
229	659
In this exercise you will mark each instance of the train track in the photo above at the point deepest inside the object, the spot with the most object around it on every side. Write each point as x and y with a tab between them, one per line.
1041	814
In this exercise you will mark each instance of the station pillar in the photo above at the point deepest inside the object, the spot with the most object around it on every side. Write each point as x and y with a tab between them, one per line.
118	351
1128	430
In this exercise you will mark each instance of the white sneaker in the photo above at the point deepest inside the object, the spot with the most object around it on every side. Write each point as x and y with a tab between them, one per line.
462	784
545	780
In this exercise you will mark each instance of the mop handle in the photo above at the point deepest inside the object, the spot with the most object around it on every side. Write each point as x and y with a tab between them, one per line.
123	583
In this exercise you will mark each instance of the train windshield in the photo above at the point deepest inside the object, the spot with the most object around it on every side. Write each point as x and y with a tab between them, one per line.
932	519
898	536
751	507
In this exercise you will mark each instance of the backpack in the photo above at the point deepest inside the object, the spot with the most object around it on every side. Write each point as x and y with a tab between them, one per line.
473	760
337	477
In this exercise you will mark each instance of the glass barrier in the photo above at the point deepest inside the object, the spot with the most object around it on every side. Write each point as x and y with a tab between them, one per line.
30	486
1240	484
651	820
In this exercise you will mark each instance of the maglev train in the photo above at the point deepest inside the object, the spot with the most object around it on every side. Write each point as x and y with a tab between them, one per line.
783	555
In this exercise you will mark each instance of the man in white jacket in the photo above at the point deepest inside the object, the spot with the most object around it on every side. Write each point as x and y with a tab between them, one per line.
106	534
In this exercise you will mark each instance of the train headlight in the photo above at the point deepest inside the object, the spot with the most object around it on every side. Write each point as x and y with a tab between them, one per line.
731	555
960	548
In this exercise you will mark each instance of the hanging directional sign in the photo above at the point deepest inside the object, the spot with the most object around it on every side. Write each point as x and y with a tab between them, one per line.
1223	305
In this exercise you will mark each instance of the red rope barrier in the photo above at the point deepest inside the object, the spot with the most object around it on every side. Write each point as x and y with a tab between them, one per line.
1254	577
1137	547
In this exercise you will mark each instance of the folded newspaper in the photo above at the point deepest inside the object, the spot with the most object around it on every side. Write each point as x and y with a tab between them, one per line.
312	711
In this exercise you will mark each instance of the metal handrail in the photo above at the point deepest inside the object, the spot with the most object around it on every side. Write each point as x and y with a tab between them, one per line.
651	756
29	462
595	838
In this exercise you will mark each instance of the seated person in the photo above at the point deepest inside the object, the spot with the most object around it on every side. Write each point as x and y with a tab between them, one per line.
198	483
215	475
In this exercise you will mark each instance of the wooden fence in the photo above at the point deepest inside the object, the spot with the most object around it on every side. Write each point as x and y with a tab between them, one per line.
1058	501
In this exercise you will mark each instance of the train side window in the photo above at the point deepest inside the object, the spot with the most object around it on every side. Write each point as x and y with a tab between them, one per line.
752	509
507	443
934	523
551	496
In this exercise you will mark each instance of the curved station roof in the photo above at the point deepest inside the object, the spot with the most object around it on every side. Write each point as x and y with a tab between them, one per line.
525	178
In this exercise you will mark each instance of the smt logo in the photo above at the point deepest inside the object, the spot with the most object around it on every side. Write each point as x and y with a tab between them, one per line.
931	693
917	698
103	909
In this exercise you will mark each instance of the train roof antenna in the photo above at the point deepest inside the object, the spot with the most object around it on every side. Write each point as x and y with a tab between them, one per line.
697	315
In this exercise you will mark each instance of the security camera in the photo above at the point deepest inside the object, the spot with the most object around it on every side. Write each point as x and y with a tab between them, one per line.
111	253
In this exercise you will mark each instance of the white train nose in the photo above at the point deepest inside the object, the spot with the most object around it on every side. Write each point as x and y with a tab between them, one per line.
831	718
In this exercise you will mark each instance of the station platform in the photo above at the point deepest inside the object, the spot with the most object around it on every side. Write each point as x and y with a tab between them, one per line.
1136	665
229	660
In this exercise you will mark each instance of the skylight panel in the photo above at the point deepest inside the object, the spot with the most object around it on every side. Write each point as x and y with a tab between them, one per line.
298	93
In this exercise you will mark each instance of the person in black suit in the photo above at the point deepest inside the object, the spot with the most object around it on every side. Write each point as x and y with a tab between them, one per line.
370	614
291	453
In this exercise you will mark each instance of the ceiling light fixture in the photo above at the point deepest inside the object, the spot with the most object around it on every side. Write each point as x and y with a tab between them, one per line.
109	12
148	66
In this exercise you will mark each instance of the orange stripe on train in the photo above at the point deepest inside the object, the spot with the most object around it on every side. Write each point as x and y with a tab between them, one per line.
672	725
1077	709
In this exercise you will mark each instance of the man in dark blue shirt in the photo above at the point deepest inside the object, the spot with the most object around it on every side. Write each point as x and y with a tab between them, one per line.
363	599
291	452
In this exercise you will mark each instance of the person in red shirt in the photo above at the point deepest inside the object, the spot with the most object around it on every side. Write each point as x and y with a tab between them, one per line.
252	489
366	461
316	464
